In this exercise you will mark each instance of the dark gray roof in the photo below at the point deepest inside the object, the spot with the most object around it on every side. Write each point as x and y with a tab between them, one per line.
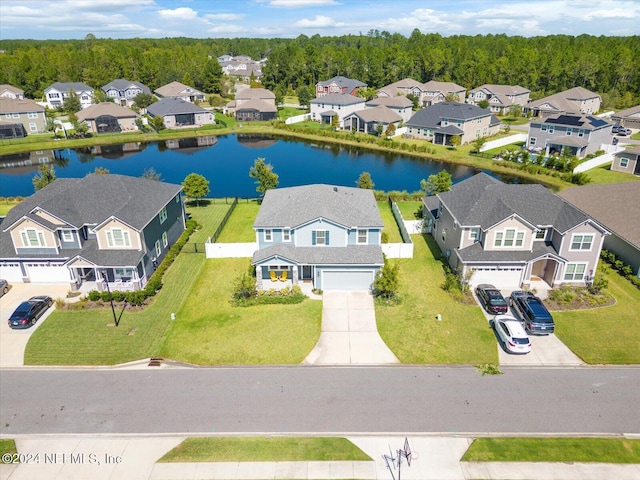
173	106
95	198
476	253
430	117
485	201
349	255
343	82
450	130
294	206
122	84
338	99
68	86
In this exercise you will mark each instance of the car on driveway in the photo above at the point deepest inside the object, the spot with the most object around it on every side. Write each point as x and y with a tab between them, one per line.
623	132
491	299
511	334
28	313
532	312
4	286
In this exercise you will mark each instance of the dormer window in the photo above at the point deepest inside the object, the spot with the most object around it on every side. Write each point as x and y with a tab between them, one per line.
33	238
116	237
67	235
320	237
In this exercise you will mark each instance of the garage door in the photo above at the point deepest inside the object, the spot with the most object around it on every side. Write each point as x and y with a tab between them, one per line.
45	273
11	272
500	277
346	280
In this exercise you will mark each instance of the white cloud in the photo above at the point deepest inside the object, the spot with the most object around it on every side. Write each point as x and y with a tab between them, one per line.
301	3
182	13
225	17
613	13
227	28
319	22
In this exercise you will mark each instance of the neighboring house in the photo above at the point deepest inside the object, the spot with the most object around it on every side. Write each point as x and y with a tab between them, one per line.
324	108
338	85
629	118
55	95
9	91
328	236
180	91
178	113
575	100
108	117
581	134
435	92
253	104
96	229
441	121
500	97
603	203
627	161
513	234
241	66
23	113
124	92
398	104
372	120
404	87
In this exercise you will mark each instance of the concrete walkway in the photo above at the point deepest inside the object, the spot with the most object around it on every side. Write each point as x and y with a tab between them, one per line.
349	332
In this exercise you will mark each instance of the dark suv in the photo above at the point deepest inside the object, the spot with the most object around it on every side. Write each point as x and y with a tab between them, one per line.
532	312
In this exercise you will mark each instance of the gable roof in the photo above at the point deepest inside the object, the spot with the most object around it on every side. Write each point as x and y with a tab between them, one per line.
349	255
446	87
576	121
255	94
68	86
399	101
176	88
173	106
19	105
122	84
105	108
629	112
431	116
259	105
400	87
338	99
380	114
5	87
501	89
343	82
564	101
294	206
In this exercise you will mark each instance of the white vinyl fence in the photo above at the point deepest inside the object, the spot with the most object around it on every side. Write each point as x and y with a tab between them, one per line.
597	161
501	142
298	118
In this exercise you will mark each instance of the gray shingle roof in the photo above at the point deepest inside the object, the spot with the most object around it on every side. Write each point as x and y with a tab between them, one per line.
173	106
379	114
294	206
343	82
19	105
259	105
349	255
68	86
338	99
430	116
122	84
399	101
105	108
475	253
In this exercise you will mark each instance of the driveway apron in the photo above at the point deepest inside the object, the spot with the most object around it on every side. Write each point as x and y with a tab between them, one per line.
349	332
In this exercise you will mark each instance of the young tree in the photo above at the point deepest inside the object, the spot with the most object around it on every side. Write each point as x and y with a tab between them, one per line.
515	110
478	143
484	103
365	181
451	97
72	104
437	183
455	141
143	100
100	96
415	100
390	131
195	186
101	171
266	178
151	174
335	122
385	286
304	95
46	174
158	123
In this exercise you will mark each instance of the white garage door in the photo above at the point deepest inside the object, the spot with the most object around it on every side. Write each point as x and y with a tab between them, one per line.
503	277
346	280
45	273
11	272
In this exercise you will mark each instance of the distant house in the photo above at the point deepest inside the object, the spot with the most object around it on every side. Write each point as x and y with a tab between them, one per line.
399	104
372	120
180	91
511	235
241	66
124	92
404	87
500	97
435	92
56	94
328	236
629	118
581	134
18	117
603	203
9	91
575	100
627	161
108	117
338	85
253	104
441	121
177	113
339	105
104	230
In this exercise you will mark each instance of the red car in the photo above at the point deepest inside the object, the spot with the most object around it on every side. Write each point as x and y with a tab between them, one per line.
491	299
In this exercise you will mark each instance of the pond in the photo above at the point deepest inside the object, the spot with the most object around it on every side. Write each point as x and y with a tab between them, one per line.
225	162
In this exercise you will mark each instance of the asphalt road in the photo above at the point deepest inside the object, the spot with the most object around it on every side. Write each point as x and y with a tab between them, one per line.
321	400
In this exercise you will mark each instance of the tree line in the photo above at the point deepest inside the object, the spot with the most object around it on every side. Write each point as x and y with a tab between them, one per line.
544	64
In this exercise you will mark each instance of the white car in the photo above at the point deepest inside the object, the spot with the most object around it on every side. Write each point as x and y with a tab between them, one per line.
511	334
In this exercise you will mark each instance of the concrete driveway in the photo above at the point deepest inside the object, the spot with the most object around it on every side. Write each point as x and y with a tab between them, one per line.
349	332
14	342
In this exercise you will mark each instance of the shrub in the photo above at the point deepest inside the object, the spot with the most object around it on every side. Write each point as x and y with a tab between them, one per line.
94	295
385	286
136	297
105	296
384	238
244	287
118	296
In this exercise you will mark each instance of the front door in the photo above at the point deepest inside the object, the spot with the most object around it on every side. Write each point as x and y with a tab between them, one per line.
307	272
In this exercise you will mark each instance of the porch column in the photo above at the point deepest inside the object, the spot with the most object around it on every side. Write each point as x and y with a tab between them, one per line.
259	277
294	274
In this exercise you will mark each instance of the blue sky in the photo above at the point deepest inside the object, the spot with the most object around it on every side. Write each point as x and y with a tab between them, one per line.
62	19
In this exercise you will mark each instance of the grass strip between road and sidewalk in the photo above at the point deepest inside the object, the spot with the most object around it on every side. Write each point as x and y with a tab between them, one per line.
265	449
554	449
7	445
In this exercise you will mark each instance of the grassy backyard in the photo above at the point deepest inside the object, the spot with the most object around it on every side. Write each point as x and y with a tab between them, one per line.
240	228
390	224
411	330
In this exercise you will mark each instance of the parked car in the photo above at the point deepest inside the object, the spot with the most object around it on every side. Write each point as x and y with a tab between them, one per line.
4	286
491	299
511	334
615	129
532	312
623	132
28	313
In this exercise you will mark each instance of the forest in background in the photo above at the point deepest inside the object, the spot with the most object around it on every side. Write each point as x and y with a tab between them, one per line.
545	64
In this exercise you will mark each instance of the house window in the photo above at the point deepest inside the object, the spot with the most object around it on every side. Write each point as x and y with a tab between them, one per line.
519	239
543	128
581	242
624	162
444	235
268	235
117	237
165	240
509	238
158	248
33	238
123	274
163	215
32	115
541	234
320	237
498	240
574	272
581	133
33	127
286	235
474	234
569	132
532	141
67	235
552	129
15	115
362	236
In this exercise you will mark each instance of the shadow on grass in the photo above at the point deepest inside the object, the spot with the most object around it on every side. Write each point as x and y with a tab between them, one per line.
432	245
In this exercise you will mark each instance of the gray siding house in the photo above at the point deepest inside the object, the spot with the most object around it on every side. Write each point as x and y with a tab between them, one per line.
500	97
177	113
575	100
627	161
324	108
24	112
124	92
324	235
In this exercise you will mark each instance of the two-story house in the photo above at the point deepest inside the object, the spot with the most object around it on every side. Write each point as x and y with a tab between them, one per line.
399	104
338	85
628	118
441	121
575	100
177	113
404	87
435	92
9	91
510	235
581	134
124	92
327	236
627	161
500	97
55	95
324	108
180	91
25	114
95	229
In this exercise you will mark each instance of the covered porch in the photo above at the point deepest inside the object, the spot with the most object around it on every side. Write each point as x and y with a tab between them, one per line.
575	146
86	277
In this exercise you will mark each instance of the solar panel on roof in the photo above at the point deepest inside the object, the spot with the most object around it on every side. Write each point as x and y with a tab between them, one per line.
597	122
566	120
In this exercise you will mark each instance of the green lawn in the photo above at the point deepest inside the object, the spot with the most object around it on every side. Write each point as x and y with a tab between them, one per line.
606	335
265	449
6	205
408	208
390	224
209	216
7	445
239	227
601	450
411	330
603	174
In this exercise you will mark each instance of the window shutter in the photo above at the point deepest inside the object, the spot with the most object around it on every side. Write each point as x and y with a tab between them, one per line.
326	237
313	237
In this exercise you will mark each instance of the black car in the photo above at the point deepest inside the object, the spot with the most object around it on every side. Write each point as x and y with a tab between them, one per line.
491	299
28	313
533	313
